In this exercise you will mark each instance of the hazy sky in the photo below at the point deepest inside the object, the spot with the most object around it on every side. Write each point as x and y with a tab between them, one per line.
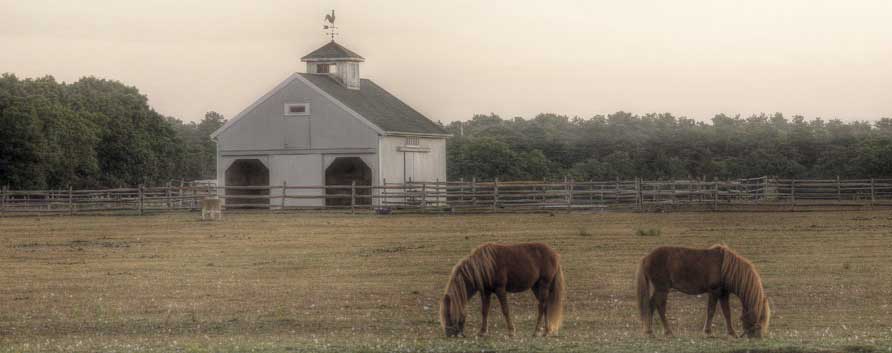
452	59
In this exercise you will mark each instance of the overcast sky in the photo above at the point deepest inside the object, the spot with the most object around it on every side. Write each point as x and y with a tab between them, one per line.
452	59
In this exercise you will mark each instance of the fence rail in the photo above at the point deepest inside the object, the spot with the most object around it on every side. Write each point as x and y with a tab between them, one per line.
470	196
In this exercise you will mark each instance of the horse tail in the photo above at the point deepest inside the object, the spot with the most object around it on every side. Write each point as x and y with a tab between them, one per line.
644	294
554	311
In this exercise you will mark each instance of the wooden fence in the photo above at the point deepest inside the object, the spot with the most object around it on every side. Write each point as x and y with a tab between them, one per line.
467	196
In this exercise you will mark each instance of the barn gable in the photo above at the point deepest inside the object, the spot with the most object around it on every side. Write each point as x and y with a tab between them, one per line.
326	123
370	104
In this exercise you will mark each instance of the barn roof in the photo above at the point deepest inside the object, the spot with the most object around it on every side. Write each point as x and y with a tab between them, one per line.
377	106
332	51
372	104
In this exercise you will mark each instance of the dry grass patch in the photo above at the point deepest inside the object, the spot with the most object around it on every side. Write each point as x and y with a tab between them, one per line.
323	282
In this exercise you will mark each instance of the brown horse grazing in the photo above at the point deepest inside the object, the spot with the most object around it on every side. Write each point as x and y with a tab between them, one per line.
717	271
499	269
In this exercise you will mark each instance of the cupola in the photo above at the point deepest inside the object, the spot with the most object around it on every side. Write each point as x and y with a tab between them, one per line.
340	63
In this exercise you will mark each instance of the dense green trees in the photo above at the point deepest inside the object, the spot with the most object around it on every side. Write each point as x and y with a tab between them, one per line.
101	133
661	146
94	133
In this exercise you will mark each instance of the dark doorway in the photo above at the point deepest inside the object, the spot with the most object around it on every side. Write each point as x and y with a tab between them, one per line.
343	172
247	172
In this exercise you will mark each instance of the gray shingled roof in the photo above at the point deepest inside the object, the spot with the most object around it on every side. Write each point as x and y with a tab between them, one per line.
377	106
332	50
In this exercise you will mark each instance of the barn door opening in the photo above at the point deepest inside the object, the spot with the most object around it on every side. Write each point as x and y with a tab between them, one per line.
343	171
247	172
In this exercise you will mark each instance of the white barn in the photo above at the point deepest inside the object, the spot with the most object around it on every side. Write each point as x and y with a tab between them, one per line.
328	126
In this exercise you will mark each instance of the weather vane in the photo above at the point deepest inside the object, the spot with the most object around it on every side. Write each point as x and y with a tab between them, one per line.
329	26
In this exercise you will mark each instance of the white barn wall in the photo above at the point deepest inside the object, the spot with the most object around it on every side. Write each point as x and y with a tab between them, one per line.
327	126
398	166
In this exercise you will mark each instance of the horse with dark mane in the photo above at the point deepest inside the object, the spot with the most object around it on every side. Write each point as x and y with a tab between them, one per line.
718	271
499	269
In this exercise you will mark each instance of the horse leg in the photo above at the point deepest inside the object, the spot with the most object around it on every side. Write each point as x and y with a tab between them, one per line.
659	299
503	301
724	299
484	307
710	313
541	293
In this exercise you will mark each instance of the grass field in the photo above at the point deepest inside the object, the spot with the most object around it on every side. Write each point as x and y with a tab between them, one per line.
341	283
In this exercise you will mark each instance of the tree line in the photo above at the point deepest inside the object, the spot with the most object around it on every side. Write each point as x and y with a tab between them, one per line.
95	133
103	133
662	146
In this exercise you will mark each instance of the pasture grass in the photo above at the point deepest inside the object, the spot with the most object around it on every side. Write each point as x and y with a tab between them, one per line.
648	232
339	283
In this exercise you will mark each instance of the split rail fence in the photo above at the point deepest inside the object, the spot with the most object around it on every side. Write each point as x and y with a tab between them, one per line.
464	196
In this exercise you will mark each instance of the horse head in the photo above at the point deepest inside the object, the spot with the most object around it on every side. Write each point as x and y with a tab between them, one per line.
452	317
755	324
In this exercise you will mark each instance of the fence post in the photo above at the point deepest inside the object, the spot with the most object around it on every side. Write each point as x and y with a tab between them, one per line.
639	201
616	198
571	185
423	195
383	193
566	191
140	200
838	190
673	191
793	192
873	194
3	199
715	194
495	193
655	190
765	191
167	196
544	190
180	194
70	201
284	193
461	190
591	192
474	190
353	197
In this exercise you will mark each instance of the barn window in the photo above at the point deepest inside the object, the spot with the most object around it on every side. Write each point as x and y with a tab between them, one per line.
326	69
292	109
413	141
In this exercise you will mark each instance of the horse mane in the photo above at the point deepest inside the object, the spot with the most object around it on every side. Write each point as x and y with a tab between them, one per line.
739	275
473	272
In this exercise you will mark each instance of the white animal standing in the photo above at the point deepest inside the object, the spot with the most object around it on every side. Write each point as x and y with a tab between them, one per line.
212	208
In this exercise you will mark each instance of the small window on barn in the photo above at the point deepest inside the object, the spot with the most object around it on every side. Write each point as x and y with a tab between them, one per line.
326	69
294	109
413	141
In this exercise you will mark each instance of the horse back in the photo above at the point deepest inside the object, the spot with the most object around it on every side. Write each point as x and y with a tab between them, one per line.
691	271
519	267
